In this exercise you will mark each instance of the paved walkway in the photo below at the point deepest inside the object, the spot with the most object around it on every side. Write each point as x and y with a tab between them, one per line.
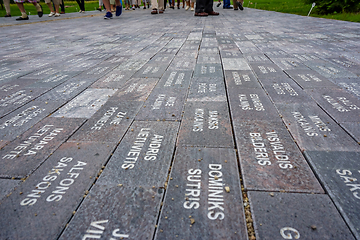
170	126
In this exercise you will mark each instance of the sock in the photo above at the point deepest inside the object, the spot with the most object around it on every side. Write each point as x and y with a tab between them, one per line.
24	15
38	8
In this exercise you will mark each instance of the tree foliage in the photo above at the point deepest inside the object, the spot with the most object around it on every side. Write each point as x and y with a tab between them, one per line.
335	6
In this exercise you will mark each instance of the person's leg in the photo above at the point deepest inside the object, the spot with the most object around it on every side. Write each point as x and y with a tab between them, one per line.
52	12
62	5
200	8
161	6
7	8
192	5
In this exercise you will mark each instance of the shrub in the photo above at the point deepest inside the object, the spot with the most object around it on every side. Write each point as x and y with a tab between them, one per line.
335	6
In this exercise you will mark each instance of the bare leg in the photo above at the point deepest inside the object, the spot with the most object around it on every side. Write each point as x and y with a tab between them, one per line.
21	7
50	7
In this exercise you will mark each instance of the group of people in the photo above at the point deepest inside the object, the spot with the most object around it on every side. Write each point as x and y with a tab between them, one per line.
203	7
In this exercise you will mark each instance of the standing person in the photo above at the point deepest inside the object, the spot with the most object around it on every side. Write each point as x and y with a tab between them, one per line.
81	4
157	5
100	5
239	4
108	14
62	6
7	8
24	16
226	4
190	3
127	4
205	8
55	13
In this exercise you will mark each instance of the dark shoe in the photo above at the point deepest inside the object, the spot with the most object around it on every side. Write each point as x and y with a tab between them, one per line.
236	9
7	15
144	7
118	10
213	13
108	15
62	12
240	6
172	7
154	11
161	11
178	7
21	18
201	14
218	5
40	14
99	9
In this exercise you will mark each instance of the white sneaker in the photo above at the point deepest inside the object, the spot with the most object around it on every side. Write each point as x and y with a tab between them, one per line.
192	9
57	14
51	14
187	8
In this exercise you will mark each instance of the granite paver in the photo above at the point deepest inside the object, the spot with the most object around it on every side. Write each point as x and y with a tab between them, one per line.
244	125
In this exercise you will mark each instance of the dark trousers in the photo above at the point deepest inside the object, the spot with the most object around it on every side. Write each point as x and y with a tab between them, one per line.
204	6
62	5
81	4
226	3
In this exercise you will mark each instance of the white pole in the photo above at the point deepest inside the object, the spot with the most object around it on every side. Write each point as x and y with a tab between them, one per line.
312	6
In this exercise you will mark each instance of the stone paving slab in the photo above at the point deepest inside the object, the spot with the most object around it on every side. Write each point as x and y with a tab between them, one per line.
185	84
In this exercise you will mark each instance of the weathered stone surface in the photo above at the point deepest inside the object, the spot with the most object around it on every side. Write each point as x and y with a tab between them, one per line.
329	70
151	70
353	128
241	79
136	89
186	63
47	199
22	156
350	84
7	186
109	123
251	104
339	173
296	216
267	70
346	63
200	198
205	89
309	78
143	157
338	103
235	64
289	63
206	124
136	208
114	79
175	79
256	58
271	161
209	58
208	70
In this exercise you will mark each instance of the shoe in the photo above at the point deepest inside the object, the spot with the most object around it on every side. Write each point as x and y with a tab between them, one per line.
137	6
201	14
236	9
240	6
192	9
118	10
40	14
21	18
81	11
161	11
108	15
62	12
154	11
57	15
178	7
144	7
213	13
133	8
51	14
187	8
99	9
7	15
172	7
218	5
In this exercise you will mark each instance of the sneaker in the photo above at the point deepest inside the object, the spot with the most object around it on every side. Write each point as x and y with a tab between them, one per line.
118	10
133	8
40	14
99	9
108	15
192	9
240	6
187	8
7	15
51	14
57	14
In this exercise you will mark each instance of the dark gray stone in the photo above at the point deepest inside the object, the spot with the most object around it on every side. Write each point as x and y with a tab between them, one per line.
204	89
230	53
339	173
48	198
309	78
183	63
143	157
267	70
329	70
208	70
7	186
296	216
353	128
271	161
24	155
114	79
256	58
351	85
289	63
197	204
315	130
241	79
174	79
151	70
206	124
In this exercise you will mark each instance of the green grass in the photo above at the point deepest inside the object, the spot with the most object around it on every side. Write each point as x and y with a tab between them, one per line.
70	6
297	7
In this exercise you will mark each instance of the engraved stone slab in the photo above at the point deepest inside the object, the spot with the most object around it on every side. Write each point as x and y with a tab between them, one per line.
85	104
109	123
235	64
251	104
171	51
271	161
161	59
329	70
241	79
275	53
206	124
210	58
285	90
22	156
114	79
257	58
289	63
309	78
7	186
42	73
353	128
296	216
313	129
247	47
175	79
209	50
132	65
149	70
346	63
53	80
136	89
351	85
24	118
163	104
339	104
207	90
9	88
136	208
46	200
203	197
230	53
183	63
209	70
267	70
143	157
339	172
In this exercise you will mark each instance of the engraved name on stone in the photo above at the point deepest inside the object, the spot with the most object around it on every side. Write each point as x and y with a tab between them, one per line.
255	100
306	126
97	228
351	183
23	117
110	114
171	78
341	104
282	88
200	118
